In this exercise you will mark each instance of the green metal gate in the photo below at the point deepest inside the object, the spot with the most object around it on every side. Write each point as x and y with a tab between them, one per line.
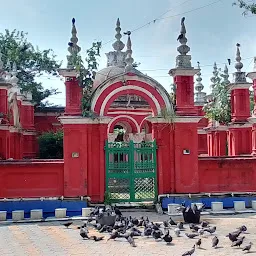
131	171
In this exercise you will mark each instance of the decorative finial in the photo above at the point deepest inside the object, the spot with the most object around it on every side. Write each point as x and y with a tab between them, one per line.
118	45
239	76
73	48
215	78
14	80
183	60
225	75
200	96
239	65
254	68
129	60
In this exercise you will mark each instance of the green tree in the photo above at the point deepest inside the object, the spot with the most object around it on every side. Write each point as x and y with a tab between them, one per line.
248	6
31	63
51	145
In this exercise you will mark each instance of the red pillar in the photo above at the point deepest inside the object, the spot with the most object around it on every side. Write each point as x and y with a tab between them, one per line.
186	155
254	139
163	133
84	157
3	99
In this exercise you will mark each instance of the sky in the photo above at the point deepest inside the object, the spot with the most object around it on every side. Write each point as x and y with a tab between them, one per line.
213	29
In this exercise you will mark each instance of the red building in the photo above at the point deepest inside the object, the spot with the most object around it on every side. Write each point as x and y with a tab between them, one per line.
157	151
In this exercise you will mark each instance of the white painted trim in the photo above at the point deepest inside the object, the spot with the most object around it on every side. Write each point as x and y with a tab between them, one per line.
4	86
29	133
13	129
235	86
129	113
252	75
123	88
27	103
177	119
143	79
67	72
183	72
4	127
84	120
245	125
47	113
117	117
201	131
252	119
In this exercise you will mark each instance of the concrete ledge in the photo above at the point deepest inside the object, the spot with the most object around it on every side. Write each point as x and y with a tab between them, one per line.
239	206
3	215
17	215
223	212
60	213
36	214
217	206
86	212
172	208
254	204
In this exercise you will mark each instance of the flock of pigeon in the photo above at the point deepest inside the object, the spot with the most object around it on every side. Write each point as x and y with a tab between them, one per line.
129	228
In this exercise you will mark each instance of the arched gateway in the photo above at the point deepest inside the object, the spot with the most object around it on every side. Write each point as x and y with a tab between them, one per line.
129	151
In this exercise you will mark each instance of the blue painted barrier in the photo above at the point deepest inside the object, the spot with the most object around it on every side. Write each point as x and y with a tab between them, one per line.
228	202
74	207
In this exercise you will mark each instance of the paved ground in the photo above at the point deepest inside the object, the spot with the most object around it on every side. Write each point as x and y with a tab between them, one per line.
53	239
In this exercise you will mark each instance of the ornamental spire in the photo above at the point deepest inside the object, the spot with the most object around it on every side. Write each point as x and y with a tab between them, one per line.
129	60
200	96
239	76
254	67
183	60
225	75
118	45
73	48
215	78
14	79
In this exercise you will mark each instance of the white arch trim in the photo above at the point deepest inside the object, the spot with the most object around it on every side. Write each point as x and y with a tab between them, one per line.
123	88
161	91
129	117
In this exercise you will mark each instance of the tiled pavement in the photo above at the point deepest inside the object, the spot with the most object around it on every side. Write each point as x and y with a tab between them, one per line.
54	239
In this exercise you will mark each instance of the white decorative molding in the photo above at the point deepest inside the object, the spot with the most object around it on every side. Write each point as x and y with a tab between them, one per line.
4	127
5	86
14	129
27	103
128	87
252	75
149	81
47	113
177	119
67	72
84	120
183	72
244	125
29	133
201	131
129	113
235	86
252	119
124	116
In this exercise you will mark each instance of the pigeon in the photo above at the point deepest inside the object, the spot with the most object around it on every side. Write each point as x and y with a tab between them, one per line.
190	252
84	233
199	242
167	238
172	222
96	238
191	235
114	235
180	225
156	234
166	224
248	247
233	237
204	224
117	211
242	228
147	232
215	241
68	224
210	230
194	227
127	33
177	232
131	241
200	231
238	242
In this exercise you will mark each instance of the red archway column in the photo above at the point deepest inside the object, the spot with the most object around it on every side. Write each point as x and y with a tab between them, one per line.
186	154
163	133
84	157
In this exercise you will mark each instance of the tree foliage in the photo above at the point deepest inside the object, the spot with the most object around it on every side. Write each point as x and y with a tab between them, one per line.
86	75
247	5
51	145
31	63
